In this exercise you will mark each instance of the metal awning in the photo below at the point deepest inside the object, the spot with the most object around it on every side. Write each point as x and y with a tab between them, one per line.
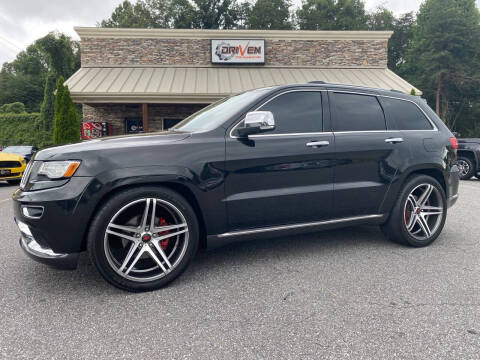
183	84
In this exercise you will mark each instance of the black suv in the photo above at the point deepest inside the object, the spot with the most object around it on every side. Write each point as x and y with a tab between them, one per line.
266	162
469	158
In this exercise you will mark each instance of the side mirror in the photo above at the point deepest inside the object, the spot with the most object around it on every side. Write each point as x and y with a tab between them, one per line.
256	122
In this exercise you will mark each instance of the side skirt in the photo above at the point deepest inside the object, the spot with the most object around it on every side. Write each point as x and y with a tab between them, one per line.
215	241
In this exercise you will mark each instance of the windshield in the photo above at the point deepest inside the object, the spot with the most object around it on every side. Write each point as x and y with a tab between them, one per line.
20	150
217	113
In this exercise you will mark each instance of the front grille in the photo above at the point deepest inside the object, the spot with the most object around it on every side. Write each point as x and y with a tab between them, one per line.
9	175
10	164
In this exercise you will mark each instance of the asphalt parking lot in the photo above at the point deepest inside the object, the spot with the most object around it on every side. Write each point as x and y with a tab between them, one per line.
339	294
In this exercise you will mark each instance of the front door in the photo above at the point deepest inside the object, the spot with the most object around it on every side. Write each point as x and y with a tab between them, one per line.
284	176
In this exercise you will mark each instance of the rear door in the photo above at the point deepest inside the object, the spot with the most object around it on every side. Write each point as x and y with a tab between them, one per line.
284	176
368	154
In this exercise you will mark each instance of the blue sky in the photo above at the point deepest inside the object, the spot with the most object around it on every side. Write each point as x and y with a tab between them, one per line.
23	21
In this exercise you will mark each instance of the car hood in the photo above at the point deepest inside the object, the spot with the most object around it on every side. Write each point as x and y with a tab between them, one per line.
10	157
110	143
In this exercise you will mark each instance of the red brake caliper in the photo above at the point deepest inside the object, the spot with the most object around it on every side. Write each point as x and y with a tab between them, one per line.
164	242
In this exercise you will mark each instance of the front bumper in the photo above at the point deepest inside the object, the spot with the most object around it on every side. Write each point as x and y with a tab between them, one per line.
45	255
56	218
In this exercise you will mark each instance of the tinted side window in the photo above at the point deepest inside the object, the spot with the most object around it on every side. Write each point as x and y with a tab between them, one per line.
405	115
296	112
357	113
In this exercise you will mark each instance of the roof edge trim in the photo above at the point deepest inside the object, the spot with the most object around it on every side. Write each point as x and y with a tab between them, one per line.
96	32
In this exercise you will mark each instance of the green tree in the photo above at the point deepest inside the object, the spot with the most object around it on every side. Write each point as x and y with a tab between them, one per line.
200	14
47	110
67	123
181	14
61	53
332	15
128	15
24	78
400	40
244	10
381	19
270	15
443	59
216	14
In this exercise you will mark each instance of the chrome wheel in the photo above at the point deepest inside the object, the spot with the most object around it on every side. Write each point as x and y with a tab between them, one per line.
146	239
423	211
464	167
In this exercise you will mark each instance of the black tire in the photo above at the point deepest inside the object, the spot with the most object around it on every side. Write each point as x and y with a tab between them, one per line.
467	164
96	236
13	182
396	226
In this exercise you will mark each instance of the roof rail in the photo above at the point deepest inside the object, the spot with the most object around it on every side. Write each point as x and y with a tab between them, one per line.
317	82
397	91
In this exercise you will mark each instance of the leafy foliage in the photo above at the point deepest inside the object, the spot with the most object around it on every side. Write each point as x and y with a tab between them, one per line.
332	15
270	14
444	57
47	110
199	14
67	122
19	129
24	78
14	108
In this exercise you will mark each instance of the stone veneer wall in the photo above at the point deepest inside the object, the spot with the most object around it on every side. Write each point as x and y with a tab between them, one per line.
128	51
115	114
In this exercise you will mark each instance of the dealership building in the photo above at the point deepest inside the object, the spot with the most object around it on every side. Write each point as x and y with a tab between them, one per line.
149	79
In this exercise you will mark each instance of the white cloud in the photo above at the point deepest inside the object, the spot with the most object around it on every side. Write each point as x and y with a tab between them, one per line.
24	21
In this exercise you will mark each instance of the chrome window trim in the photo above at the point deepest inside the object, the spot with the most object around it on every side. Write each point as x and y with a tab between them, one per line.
298	225
292	134
285	134
434	127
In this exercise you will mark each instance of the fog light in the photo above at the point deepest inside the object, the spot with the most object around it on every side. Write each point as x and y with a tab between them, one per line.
32	212
24	229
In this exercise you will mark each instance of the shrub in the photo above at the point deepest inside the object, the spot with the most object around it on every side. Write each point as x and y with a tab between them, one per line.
67	122
47	110
19	129
13	108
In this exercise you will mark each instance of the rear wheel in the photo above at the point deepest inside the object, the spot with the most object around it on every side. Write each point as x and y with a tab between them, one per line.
143	238
419	214
466	167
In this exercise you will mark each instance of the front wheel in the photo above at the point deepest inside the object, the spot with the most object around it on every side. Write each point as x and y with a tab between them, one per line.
419	214
143	238
466	167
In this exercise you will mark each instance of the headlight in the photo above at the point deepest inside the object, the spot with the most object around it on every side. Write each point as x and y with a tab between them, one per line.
58	169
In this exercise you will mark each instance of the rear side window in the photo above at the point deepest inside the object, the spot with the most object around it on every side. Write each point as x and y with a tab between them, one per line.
357	113
296	112
405	115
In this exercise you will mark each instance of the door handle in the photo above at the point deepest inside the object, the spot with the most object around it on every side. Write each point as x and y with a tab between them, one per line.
394	140
316	144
